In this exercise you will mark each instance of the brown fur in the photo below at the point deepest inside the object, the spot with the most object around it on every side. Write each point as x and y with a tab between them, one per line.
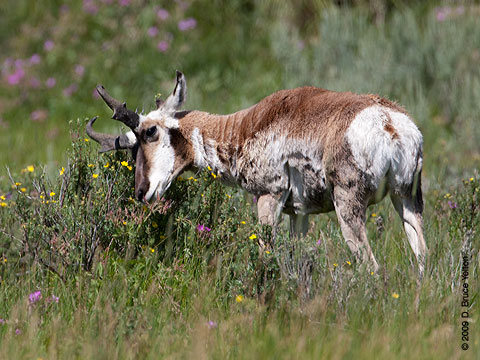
316	115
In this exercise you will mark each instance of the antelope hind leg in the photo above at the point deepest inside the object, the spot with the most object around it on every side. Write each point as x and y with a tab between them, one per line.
351	216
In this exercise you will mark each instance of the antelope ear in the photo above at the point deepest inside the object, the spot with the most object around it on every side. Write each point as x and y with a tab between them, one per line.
177	98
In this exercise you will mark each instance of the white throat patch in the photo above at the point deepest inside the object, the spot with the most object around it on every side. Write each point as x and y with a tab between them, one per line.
162	162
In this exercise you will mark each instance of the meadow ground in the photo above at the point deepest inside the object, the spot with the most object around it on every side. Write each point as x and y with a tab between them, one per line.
86	272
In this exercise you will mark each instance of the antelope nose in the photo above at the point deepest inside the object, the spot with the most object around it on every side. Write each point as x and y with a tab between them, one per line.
141	194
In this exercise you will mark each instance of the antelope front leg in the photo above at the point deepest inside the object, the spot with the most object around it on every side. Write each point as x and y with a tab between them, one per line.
267	206
351	216
269	209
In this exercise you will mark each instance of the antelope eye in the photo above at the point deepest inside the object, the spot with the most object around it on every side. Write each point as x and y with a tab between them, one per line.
151	131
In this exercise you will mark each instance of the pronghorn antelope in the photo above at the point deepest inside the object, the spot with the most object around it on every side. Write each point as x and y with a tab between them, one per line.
300	151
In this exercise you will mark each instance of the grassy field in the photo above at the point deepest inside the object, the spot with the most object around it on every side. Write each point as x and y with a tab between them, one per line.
86	272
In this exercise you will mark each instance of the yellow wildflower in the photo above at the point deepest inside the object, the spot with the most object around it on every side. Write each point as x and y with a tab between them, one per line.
124	222
253	237
124	163
86	140
62	171
242	222
4	260
209	168
106	165
239	298
90	165
129	168
214	176
374	215
2	197
18	183
372	273
52	194
335	265
23	190
30	168
267	251
3	204
395	295
471	179
349	263
152	250
95	176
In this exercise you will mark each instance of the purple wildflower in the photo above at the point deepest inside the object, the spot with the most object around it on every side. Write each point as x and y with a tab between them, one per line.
90	7
35	296
203	228
34	83
53	298
39	115
19	63
182	4
187	24
70	90
163	46
319	241
212	324
35	59
79	70
152	31
163	14
18	331
48	45
51	82
16	77
2	321
452	204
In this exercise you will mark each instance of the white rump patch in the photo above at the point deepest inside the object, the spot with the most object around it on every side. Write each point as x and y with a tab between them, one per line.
376	152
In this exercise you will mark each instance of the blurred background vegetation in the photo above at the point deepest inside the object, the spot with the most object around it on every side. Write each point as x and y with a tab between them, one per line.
87	272
425	55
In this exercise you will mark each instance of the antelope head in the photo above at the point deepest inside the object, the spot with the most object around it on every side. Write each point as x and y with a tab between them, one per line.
153	140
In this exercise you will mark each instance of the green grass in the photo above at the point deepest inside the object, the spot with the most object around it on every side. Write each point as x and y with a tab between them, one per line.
144	282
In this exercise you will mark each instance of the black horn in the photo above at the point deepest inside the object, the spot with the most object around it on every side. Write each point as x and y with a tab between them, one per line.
120	111
108	142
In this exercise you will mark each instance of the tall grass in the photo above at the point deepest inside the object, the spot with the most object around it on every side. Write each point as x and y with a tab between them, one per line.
186	277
